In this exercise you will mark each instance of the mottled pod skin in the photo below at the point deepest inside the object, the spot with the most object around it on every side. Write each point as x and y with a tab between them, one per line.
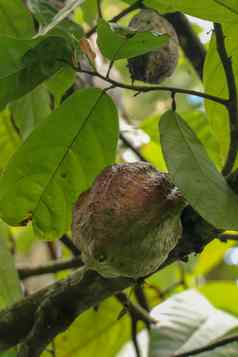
155	66
129	221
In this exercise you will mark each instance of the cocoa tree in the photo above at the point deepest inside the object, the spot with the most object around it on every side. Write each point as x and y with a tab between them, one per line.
118	230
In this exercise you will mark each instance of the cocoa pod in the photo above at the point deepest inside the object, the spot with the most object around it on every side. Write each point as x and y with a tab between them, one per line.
129	220
154	67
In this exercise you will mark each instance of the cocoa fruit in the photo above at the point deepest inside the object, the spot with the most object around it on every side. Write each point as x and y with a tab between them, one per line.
129	221
154	67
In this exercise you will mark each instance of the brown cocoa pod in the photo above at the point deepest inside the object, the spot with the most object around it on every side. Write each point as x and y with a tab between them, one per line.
129	221
154	67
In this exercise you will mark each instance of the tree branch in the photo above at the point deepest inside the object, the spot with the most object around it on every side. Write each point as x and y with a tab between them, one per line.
210	347
67	242
64	300
189	41
145	89
232	100
26	272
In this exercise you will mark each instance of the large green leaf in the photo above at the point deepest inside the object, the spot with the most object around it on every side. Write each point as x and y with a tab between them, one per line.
59	160
187	321
195	175
222	294
24	64
28	111
215	83
213	10
15	20
211	257
87	336
60	82
115	45
9	139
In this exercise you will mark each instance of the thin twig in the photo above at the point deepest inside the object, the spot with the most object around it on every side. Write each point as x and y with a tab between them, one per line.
130	146
134	323
231	104
70	245
116	18
228	236
26	272
135	309
99	8
210	347
146	89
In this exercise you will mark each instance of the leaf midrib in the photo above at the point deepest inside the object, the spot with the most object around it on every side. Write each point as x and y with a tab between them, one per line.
65	153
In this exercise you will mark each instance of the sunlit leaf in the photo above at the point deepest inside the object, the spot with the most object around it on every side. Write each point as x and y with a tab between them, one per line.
195	175
92	329
58	161
222	294
212	255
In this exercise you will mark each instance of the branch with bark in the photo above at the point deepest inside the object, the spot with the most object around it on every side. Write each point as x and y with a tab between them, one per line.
50	311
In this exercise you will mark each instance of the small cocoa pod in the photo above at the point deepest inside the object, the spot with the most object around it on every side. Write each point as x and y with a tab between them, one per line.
129	221
154	67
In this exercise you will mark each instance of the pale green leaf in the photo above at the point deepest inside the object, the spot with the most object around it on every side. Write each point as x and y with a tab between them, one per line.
195	175
58	161
186	321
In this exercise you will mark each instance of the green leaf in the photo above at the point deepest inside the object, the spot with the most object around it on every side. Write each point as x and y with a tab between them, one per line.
58	161
115	45
15	20
30	110
87	336
215	83
9	140
211	257
59	83
30	62
222	294
60	16
195	175
213	10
